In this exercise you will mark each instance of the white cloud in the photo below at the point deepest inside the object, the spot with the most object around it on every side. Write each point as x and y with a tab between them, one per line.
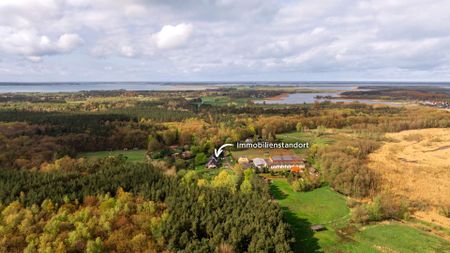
68	42
127	51
171	37
29	44
34	58
232	39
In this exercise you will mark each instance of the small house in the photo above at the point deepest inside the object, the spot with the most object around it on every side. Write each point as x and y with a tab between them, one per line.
212	163
243	160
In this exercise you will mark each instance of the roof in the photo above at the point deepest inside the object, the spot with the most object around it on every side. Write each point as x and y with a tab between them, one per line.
318	227
295	169
259	162
213	161
286	158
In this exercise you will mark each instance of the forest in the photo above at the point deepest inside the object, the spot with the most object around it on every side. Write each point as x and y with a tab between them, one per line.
53	199
166	213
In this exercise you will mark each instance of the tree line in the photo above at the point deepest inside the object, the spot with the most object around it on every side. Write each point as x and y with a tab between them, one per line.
200	219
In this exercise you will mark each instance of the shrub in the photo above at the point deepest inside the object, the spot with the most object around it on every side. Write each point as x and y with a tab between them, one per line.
306	183
387	206
360	215
444	211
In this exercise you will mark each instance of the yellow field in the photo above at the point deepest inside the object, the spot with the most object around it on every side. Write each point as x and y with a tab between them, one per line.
416	165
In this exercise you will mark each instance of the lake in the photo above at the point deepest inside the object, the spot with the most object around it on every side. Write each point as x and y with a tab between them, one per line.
300	98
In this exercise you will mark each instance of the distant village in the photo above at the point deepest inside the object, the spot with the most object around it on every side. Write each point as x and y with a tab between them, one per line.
437	104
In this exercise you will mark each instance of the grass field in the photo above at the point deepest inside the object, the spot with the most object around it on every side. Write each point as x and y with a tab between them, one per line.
223	100
394	237
321	206
310	136
132	155
326	207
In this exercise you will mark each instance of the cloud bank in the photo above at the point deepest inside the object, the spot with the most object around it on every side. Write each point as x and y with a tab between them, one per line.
155	40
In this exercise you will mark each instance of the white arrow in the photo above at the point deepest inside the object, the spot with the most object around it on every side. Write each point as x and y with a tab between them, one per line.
218	152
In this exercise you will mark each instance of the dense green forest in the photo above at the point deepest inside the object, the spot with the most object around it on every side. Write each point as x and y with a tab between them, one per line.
195	218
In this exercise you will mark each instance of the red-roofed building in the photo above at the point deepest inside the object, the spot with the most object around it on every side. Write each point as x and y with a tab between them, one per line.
286	162
296	169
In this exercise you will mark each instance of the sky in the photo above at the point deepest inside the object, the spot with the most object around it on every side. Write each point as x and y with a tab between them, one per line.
224	40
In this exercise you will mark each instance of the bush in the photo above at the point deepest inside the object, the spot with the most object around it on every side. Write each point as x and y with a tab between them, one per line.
387	206
306	183
200	158
360	215
445	211
374	210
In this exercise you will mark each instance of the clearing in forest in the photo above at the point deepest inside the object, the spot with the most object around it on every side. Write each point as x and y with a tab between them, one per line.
132	155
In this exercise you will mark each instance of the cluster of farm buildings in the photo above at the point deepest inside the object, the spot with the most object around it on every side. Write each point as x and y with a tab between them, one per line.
275	163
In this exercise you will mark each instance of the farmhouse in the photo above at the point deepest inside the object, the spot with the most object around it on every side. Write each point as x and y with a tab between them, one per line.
213	162
285	162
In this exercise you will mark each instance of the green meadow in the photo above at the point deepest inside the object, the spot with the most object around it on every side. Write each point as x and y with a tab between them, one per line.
310	136
223	100
132	155
395	237
328	208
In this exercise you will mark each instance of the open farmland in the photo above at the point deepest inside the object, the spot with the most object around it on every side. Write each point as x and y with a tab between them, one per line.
416	165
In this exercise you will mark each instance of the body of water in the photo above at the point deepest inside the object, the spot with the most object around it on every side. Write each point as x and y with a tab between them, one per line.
300	98
155	86
75	87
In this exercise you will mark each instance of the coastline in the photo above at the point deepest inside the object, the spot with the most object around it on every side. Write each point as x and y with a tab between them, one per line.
278	97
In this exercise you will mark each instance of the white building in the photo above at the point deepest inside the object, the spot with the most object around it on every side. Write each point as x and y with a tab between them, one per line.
259	163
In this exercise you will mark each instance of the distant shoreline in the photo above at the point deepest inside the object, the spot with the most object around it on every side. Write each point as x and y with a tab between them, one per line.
54	87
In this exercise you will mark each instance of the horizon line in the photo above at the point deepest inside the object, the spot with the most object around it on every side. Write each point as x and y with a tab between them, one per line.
228	82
